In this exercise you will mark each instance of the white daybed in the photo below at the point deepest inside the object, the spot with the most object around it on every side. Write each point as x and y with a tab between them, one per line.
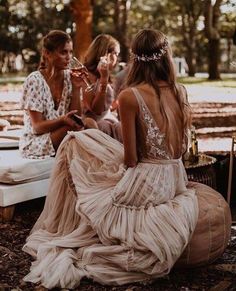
20	179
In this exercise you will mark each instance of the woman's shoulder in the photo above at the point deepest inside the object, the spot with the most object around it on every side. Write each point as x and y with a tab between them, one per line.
126	93
181	86
127	98
183	91
34	76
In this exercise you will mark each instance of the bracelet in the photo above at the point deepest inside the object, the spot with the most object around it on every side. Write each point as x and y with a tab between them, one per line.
103	87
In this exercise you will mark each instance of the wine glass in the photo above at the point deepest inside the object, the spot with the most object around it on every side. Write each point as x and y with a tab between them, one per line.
233	64
76	65
104	60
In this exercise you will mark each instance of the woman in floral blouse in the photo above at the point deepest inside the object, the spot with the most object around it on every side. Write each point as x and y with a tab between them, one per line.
51	96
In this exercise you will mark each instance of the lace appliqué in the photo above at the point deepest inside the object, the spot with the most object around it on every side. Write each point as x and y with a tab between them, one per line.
155	140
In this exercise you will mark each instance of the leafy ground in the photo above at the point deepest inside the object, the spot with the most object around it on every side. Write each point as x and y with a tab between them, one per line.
15	264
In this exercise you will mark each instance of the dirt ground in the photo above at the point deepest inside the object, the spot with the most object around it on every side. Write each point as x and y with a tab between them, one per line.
15	264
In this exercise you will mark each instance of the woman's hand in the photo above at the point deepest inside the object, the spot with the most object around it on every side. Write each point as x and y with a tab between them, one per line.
114	105
77	76
103	67
41	126
67	120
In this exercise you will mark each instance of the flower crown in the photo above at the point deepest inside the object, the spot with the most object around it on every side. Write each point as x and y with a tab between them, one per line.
155	56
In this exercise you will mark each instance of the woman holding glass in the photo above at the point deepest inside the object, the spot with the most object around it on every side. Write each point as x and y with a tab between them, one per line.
100	61
50	98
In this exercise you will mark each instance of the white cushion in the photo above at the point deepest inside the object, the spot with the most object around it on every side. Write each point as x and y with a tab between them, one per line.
10	138
14	169
12	194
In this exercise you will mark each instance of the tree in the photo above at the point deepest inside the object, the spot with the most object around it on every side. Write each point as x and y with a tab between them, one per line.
9	45
228	21
120	22
82	11
212	31
23	24
123	18
189	14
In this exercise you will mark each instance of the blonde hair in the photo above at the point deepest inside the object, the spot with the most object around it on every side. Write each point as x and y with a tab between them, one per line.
51	42
149	43
101	45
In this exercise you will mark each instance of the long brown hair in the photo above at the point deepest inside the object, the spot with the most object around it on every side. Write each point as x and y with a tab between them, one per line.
101	45
51	42
157	64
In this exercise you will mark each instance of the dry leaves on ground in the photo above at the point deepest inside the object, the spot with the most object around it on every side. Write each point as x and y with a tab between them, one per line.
15	264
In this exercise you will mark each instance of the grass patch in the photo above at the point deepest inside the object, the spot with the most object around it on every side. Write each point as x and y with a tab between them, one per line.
11	78
12	81
224	82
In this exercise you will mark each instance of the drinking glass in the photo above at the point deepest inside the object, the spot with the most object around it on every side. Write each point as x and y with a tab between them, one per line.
76	65
104	60
233	64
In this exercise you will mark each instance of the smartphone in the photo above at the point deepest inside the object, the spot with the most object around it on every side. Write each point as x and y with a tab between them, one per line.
77	119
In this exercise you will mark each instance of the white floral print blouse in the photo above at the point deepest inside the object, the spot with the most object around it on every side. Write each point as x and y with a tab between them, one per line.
37	97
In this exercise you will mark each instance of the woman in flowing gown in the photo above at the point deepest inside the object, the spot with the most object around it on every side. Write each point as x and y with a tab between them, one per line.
121	213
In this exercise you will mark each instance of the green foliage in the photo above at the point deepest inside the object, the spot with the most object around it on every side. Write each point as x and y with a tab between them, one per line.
228	24
141	14
23	23
103	17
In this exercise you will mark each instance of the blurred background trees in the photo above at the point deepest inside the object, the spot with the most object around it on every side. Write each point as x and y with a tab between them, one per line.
82	13
200	31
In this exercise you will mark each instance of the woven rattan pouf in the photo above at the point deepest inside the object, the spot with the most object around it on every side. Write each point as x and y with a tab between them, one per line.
212	232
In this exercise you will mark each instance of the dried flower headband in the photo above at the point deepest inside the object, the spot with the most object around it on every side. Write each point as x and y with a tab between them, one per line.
155	56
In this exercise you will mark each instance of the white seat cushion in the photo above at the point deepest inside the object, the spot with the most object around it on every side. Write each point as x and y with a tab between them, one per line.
15	170
10	138
20	179
12	194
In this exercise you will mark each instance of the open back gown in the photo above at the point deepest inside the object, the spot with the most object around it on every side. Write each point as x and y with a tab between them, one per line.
108	223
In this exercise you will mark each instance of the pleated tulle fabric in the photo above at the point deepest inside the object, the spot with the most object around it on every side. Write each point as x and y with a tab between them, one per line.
107	223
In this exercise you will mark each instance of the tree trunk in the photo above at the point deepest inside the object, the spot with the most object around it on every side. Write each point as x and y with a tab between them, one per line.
191	61
120	23
228	53
82	11
190	11
214	53
212	30
234	37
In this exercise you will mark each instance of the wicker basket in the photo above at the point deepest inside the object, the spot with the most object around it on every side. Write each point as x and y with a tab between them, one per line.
203	171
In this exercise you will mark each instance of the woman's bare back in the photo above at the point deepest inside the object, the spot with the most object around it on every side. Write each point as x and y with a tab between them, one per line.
173	113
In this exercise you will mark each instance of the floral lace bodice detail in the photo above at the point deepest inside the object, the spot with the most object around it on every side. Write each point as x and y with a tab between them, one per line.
154	139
